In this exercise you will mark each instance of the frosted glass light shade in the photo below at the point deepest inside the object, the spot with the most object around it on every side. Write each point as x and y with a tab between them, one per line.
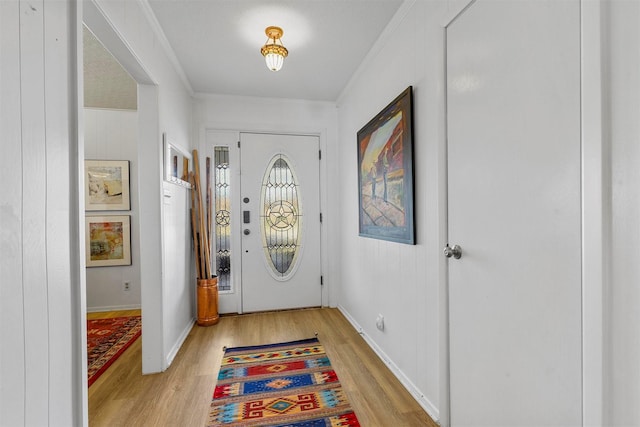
274	61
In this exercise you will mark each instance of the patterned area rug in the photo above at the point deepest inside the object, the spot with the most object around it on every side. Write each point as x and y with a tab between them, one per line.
107	339
287	384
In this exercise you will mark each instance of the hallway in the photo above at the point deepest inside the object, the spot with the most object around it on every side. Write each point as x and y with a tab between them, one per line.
181	395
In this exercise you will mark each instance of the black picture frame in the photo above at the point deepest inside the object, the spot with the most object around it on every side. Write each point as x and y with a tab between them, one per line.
385	173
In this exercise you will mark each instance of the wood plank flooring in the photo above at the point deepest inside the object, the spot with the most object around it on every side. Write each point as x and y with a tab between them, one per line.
122	396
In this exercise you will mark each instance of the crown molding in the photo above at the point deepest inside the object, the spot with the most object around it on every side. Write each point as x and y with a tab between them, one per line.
164	42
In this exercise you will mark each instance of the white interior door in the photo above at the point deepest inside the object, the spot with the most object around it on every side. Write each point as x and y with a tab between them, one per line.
513	111
280	183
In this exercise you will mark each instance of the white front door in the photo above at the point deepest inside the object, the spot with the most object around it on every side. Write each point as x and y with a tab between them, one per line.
513	111
280	220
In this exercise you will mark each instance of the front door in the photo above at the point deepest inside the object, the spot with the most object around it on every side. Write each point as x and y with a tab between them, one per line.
513	107
280	220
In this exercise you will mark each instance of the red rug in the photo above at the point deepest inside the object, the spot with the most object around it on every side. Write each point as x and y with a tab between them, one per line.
287	384
107	339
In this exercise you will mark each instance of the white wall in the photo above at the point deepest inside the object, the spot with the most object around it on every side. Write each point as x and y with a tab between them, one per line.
179	277
622	133
235	114
407	292
42	359
112	135
378	277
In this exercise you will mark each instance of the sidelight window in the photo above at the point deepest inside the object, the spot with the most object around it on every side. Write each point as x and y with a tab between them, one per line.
222	219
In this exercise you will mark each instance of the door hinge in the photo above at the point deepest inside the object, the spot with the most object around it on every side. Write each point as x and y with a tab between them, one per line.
238	144
321	280
320	217
319	154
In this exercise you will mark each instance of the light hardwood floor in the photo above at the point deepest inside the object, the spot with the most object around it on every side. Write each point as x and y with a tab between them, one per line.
122	396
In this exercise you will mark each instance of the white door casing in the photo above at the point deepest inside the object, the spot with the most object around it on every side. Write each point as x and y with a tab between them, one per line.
264	288
513	125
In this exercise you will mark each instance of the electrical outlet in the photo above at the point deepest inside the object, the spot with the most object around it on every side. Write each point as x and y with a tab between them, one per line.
126	286
380	322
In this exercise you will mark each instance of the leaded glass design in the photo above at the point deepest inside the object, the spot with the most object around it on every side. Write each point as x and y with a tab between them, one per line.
281	217
223	217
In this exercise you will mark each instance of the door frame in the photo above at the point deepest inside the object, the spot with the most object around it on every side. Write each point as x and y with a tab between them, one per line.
596	213
96	20
232	302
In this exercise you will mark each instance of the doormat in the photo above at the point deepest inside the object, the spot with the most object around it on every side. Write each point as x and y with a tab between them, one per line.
107	339
287	384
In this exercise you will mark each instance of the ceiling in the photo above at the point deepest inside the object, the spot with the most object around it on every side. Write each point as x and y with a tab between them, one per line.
216	47
217	43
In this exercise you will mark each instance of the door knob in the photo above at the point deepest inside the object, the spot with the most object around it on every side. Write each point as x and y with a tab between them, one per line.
247	232
455	251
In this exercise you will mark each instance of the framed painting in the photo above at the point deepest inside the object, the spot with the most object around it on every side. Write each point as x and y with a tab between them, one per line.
385	173
108	240
106	185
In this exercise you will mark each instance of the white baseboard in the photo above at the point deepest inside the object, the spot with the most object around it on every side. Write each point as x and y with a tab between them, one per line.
176	347
113	308
406	382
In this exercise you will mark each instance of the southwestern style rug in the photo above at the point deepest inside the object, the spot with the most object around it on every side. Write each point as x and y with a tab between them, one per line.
107	339
287	384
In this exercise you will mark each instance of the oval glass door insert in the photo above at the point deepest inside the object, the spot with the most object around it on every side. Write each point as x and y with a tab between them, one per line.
281	217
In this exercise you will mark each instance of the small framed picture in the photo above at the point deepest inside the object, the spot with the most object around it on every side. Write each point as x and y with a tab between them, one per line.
106	185
108	240
176	164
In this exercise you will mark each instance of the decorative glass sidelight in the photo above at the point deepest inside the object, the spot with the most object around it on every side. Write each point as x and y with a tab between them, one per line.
222	182
281	217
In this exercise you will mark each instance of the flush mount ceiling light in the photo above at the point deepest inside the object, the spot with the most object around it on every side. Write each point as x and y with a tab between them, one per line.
273	51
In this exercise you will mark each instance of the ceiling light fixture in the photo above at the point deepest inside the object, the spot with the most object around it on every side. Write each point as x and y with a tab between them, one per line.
273	51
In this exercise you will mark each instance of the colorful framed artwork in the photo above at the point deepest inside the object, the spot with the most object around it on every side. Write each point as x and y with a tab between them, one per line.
385	173
108	240
106	185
